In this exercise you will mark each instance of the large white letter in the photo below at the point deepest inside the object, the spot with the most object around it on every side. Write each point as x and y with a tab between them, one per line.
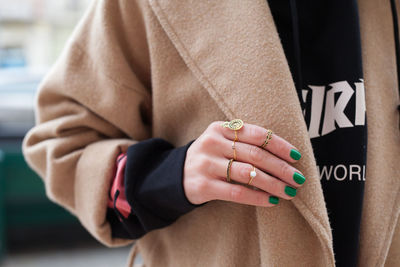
335	112
304	94
325	172
344	174
360	103
316	109
358	172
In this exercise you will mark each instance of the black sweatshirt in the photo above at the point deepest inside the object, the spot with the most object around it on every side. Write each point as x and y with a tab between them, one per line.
321	40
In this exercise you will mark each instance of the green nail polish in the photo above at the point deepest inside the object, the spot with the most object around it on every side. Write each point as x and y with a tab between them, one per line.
273	200
298	178
290	191
294	154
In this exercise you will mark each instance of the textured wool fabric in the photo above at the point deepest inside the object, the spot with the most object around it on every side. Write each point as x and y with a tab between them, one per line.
134	70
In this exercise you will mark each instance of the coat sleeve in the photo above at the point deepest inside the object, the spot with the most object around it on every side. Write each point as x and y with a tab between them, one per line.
93	104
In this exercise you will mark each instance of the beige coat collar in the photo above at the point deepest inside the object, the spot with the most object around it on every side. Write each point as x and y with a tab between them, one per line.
242	86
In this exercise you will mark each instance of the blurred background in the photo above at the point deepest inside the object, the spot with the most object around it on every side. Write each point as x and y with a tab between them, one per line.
34	231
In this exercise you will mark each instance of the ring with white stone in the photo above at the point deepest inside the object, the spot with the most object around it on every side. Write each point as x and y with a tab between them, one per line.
252	175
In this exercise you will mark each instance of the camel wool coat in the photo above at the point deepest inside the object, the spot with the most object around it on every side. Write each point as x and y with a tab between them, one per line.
136	69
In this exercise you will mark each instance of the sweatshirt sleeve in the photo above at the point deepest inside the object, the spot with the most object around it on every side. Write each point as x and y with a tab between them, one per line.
92	106
151	194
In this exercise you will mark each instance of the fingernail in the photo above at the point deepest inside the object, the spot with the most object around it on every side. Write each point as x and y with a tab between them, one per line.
294	154
273	200
299	178
290	191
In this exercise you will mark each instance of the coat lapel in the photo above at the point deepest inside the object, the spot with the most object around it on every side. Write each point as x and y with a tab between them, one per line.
234	50
381	206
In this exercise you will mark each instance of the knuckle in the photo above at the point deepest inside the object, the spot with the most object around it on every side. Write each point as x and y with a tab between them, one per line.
198	189
256	154
237	193
284	169
208	140
214	126
261	199
257	134
274	187
204	164
244	171
281	146
201	186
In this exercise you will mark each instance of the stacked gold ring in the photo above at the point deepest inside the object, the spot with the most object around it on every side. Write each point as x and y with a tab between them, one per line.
235	125
234	150
267	139
228	171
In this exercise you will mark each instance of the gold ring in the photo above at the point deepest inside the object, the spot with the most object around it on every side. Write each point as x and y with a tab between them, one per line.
252	175
228	171
235	124
234	149
267	139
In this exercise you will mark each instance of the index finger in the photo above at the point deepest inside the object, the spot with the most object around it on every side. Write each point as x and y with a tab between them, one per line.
256	135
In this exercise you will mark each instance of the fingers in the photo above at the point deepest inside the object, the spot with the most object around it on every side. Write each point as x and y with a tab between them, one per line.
275	177
241	194
256	135
264	161
240	172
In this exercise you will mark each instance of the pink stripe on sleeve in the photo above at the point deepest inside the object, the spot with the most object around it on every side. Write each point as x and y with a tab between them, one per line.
121	204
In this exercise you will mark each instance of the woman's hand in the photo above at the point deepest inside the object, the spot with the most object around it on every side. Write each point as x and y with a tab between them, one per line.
207	159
